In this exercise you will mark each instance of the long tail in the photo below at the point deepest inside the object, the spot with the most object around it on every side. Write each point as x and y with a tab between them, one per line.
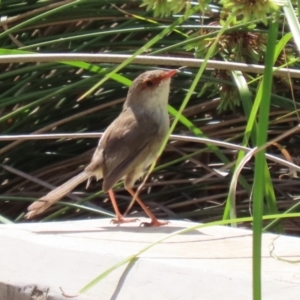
43	203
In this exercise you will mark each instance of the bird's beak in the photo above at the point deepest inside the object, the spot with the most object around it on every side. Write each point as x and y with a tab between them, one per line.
169	74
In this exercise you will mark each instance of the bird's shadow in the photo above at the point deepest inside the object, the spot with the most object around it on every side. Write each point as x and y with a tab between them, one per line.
119	228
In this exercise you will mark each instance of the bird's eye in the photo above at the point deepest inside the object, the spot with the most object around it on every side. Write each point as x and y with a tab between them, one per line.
149	83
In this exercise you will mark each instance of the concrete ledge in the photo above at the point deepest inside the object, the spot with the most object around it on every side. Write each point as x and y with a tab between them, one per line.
212	263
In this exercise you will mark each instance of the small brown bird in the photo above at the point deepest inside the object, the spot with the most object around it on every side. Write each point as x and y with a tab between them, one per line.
128	146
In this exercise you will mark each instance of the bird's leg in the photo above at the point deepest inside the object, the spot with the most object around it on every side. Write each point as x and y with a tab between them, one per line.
140	187
154	221
119	218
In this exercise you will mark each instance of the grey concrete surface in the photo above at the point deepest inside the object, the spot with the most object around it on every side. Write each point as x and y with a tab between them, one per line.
38	259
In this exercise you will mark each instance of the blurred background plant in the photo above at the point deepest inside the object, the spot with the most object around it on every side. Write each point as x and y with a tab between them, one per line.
43	98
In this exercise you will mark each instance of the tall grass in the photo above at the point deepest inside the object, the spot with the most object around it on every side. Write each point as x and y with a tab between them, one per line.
190	180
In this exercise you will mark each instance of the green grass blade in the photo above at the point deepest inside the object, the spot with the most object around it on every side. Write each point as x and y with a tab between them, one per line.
292	21
4	220
259	172
38	17
182	231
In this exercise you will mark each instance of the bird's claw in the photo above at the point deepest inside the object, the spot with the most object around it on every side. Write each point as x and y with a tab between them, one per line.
154	223
122	220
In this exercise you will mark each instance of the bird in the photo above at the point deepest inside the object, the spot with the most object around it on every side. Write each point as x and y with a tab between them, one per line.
128	146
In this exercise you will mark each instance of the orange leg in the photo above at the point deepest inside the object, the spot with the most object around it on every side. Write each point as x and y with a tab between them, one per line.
119	218
154	221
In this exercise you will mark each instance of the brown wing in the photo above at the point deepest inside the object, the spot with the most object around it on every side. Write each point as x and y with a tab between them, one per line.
125	144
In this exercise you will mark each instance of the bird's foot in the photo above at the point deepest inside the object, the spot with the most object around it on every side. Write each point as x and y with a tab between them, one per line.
154	223
122	220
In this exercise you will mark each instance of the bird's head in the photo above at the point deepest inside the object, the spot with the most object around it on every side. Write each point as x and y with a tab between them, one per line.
150	89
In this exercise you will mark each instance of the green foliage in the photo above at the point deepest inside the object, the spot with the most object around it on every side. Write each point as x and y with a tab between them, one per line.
223	104
250	10
165	8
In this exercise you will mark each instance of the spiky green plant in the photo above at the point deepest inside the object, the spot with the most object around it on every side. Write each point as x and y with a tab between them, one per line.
42	97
